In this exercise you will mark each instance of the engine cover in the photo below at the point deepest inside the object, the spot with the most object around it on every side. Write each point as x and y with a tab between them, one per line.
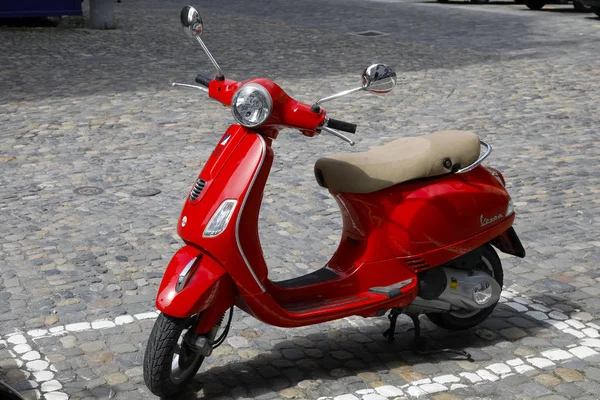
462	288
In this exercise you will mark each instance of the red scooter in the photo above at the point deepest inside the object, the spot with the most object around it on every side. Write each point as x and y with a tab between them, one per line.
420	216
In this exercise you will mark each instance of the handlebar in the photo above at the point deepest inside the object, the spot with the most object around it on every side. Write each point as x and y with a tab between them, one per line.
302	118
203	80
341	125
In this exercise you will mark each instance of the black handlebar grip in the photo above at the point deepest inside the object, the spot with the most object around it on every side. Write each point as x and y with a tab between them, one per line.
203	80
341	125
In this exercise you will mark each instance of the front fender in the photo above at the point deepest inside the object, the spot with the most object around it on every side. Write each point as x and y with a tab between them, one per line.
206	284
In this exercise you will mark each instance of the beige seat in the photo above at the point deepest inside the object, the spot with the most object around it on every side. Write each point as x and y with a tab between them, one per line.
398	161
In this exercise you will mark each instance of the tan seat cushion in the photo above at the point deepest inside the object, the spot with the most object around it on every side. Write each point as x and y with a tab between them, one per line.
398	161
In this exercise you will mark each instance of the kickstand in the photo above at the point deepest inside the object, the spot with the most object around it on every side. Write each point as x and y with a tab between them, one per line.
391	331
419	342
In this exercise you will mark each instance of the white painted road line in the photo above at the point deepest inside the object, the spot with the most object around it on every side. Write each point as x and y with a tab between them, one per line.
37	371
40	373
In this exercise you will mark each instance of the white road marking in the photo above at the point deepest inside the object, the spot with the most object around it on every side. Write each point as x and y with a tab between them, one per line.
39	371
545	361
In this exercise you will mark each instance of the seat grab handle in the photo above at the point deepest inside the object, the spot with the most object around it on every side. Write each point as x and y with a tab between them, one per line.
488	150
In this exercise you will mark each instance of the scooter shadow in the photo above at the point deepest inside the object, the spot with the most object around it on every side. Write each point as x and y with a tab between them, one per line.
14	377
336	354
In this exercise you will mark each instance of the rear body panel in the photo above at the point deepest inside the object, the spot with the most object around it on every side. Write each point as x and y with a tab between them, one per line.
388	237
417	218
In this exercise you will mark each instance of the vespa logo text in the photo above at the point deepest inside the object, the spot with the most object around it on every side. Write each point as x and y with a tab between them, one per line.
486	221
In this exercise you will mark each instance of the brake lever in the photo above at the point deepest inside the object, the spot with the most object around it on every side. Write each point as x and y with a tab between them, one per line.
190	86
338	135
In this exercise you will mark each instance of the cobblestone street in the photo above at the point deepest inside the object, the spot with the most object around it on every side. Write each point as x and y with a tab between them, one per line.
79	270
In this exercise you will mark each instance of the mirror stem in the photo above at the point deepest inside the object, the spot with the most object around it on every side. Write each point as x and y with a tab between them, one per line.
220	75
335	96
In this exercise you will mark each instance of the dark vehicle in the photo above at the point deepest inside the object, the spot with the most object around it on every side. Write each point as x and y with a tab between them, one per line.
539	4
594	5
8	393
577	4
39	8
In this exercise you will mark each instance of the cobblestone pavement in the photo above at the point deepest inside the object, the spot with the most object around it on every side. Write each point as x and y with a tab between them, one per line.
82	108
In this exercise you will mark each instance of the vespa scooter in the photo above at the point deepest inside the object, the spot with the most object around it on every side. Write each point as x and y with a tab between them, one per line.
420	217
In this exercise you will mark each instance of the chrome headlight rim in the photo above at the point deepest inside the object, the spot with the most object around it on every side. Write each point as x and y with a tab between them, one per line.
267	97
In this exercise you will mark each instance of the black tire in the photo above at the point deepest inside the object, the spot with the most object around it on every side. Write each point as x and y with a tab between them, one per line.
455	323
535	4
580	7
158	360
479	1
596	10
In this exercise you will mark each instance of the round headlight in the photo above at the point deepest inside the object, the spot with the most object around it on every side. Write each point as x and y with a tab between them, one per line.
251	105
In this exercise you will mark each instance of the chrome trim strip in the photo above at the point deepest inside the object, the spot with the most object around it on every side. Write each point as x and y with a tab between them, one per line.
237	224
184	274
486	153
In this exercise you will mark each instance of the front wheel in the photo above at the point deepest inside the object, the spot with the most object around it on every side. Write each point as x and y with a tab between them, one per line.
170	362
580	7
461	320
535	4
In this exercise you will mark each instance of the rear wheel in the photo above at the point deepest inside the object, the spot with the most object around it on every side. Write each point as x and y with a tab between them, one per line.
580	7
170	362
460	320
535	4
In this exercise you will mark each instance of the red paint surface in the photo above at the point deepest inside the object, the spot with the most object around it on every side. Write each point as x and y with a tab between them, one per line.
388	236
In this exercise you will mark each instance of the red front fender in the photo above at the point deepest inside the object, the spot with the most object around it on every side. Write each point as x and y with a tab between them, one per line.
208	285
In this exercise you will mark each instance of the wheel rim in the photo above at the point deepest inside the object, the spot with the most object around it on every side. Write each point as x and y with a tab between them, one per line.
486	266
185	357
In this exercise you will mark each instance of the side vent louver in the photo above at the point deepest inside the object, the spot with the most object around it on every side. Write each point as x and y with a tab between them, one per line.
197	189
417	264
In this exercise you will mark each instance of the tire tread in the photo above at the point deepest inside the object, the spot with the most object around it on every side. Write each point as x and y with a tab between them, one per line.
159	356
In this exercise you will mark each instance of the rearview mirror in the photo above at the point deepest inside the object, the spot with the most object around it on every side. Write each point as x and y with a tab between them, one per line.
379	79
191	21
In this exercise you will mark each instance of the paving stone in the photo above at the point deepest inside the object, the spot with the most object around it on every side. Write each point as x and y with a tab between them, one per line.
91	347
389	391
533	389
554	286
513	333
124	348
593	373
569	390
374	396
547	380
557	354
568	375
72	263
